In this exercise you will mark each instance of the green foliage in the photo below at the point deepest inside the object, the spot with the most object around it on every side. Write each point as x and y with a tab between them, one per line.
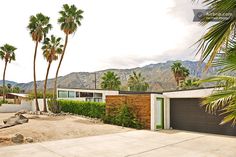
124	117
40	95
54	106
7	53
52	48
3	102
90	109
110	81
180	72
137	82
219	34
39	26
70	18
223	99
189	83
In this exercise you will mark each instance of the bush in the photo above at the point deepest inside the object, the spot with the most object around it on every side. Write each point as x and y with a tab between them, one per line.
90	109
124	117
54	106
3	102
40	95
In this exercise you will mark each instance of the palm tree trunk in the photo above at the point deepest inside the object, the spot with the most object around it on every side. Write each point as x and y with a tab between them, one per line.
35	85
58	68
45	89
4	74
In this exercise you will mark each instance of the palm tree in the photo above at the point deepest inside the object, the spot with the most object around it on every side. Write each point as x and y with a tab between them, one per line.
51	49
219	34
110	81
69	20
136	82
180	72
38	27
189	83
223	99
7	53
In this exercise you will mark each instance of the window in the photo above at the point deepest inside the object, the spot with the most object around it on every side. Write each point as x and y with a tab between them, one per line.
71	94
77	95
97	95
85	94
62	94
97	100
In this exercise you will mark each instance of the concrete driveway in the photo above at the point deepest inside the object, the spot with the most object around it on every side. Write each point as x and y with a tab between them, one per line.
131	144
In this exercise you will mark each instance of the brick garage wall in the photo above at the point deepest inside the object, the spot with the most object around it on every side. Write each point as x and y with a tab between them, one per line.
139	103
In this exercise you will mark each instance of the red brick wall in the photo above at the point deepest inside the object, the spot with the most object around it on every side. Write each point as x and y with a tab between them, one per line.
139	103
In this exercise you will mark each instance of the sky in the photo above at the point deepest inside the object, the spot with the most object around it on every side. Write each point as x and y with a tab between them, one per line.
113	34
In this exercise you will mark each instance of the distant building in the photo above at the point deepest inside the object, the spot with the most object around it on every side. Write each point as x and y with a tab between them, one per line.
94	95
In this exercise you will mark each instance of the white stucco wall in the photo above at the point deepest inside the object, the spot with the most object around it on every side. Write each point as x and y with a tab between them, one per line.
9	108
154	111
40	102
198	93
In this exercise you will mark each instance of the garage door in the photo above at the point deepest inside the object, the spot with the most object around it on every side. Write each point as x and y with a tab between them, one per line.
186	114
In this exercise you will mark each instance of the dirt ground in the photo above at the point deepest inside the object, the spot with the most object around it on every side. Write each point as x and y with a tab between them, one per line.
46	128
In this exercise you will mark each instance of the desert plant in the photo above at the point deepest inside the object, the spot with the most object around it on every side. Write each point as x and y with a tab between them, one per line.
69	20
180	72
53	106
51	49
124	117
38	26
7	53
136	82
219	34
110	81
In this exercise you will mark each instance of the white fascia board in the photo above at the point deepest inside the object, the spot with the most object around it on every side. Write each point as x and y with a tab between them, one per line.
198	93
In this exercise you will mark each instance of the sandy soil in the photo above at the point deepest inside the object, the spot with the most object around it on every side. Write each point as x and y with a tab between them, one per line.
45	128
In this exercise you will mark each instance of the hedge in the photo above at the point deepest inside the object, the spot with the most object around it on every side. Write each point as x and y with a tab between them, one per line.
90	109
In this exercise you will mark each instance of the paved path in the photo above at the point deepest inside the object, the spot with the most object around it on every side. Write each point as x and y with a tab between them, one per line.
131	144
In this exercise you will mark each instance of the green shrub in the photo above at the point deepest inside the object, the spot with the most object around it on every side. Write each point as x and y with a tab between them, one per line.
90	109
54	106
124	117
3	102
40	95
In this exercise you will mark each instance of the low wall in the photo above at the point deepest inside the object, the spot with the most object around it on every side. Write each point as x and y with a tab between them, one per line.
139	103
40	102
9	108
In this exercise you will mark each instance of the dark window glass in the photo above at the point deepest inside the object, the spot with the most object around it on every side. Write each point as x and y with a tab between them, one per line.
85	94
77	95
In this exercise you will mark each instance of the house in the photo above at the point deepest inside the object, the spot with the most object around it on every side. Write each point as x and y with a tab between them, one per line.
16	98
95	95
179	110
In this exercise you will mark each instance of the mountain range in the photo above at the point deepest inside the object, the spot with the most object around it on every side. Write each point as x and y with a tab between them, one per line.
159	76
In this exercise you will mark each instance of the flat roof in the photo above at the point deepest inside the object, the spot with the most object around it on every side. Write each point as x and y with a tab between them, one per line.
135	92
180	90
87	89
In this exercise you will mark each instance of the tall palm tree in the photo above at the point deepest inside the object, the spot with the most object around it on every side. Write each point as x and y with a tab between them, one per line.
7	53
111	81
180	72
219	34
51	49
70	18
136	82
223	99
38	26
